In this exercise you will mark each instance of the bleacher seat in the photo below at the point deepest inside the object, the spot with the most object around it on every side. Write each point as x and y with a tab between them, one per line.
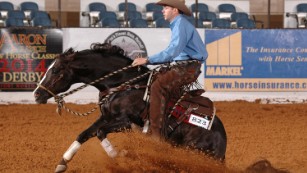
193	21
14	22
221	23
134	15
28	8
41	22
17	14
301	15
110	22
206	18
156	15
122	9
201	7
236	16
161	23
129	16
5	6
225	10
95	8
138	23
130	6
105	14
246	23
151	8
41	19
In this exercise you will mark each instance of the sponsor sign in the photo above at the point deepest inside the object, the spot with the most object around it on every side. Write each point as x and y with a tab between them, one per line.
25	55
256	60
131	43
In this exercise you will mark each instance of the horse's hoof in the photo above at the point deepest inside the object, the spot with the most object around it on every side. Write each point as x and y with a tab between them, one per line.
60	168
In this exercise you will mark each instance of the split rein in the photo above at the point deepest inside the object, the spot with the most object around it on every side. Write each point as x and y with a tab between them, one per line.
59	99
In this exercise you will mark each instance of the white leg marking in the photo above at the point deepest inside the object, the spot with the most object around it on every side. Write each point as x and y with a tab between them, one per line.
107	146
74	147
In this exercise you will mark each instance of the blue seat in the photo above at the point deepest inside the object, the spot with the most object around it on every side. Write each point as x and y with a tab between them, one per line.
133	15
201	7
41	22
161	23
14	22
16	14
97	6
246	23
138	23
207	18
193	21
301	15
225	10
130	6
41	14
301	8
236	16
6	6
156	15
41	19
122	10
105	14
151	8
221	23
29	6
110	22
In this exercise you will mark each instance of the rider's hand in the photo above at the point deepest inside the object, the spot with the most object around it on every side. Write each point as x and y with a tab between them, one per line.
139	61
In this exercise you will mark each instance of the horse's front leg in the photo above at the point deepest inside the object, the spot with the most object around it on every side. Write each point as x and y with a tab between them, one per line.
75	146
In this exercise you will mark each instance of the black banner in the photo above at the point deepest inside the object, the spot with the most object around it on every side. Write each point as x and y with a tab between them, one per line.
25	54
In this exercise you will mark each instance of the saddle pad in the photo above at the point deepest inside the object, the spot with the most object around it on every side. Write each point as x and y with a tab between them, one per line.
201	115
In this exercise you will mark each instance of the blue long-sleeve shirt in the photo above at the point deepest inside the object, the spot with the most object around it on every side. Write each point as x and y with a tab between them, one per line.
185	44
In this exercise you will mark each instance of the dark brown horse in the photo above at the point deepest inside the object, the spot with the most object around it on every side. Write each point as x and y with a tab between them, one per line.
121	105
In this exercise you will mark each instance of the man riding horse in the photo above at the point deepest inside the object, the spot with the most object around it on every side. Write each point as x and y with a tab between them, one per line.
185	45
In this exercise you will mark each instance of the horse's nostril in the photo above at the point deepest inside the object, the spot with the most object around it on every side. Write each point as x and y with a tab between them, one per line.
36	94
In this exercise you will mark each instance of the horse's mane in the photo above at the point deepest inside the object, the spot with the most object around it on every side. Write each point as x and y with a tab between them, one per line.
98	47
107	48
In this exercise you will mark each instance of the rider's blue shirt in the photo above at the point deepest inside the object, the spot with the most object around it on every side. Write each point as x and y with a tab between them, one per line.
185	44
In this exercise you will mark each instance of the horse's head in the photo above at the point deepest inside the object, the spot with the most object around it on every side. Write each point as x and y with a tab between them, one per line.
58	78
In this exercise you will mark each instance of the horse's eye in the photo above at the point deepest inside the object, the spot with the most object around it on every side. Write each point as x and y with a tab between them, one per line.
55	70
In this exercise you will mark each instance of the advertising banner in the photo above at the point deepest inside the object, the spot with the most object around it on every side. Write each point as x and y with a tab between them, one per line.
256	60
25	55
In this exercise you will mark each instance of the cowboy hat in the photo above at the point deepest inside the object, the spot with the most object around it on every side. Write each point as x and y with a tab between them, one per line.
179	4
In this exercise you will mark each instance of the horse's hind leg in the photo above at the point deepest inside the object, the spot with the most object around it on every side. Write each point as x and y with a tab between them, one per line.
75	146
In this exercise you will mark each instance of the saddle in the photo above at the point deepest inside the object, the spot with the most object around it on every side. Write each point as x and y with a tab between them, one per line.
193	109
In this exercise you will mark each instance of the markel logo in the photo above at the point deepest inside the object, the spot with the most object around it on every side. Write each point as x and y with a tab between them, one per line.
129	42
225	56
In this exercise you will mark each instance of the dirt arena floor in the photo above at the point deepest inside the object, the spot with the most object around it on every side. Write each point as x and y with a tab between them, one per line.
33	138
